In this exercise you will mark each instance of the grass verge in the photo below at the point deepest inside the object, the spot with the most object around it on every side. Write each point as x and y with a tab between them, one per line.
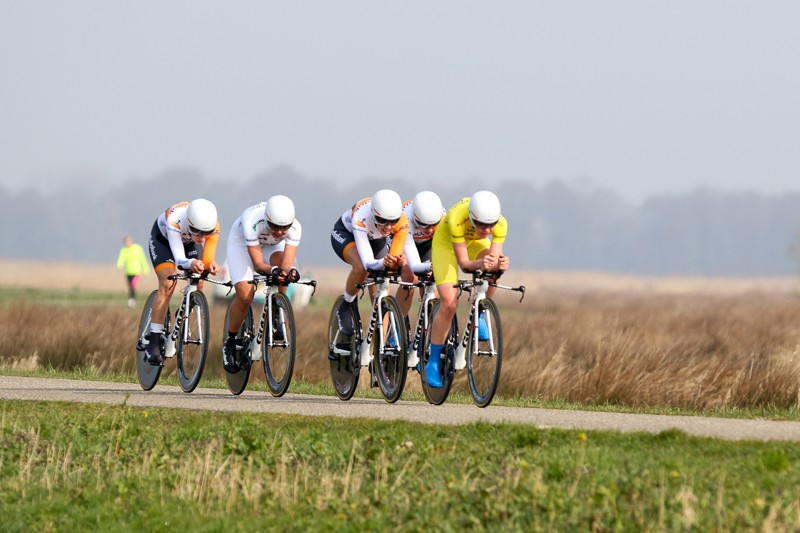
93	467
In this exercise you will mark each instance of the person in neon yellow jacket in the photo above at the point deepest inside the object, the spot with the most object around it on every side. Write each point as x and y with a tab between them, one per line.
133	262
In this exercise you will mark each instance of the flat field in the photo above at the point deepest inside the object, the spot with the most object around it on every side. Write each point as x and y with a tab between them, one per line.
592	339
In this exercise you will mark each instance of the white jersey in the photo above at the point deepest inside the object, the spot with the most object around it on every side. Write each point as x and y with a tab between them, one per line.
252	227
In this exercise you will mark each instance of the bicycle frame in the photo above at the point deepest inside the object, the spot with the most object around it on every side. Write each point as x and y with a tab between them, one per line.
423	320
477	288
192	281
266	311
376	320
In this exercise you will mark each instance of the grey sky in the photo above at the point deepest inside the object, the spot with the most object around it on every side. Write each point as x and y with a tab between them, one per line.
637	96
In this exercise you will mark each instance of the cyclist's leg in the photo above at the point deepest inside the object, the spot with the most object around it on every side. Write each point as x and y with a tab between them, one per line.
403	295
445	271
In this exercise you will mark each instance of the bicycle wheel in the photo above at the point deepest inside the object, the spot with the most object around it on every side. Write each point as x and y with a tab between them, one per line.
148	374
434	395
343	354
237	381
483	363
192	345
390	358
279	357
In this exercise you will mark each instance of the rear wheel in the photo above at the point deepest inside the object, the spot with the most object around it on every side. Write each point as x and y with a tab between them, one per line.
279	357
237	381
485	357
192	345
343	354
434	395
390	358
148	374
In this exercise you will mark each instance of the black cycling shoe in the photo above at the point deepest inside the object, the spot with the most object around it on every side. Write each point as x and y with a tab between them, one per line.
344	315
153	349
229	358
277	325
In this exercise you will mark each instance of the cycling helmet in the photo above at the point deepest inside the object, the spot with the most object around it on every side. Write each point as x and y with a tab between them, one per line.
201	216
484	208
427	208
279	211
387	205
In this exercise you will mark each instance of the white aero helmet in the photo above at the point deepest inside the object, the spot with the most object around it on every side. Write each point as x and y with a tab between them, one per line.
201	216
387	205
427	208
279	211
484	208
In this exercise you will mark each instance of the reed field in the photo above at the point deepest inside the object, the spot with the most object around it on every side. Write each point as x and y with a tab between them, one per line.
578	338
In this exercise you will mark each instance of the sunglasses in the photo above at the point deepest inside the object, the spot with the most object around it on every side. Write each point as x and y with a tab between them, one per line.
481	225
424	226
275	227
384	221
199	233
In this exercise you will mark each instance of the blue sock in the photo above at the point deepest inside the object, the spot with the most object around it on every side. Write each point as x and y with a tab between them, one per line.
436	350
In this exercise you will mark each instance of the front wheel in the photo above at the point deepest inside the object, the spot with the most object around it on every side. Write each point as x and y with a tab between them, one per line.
279	354
343	354
485	357
390	357
237	381
434	395
192	346
148	374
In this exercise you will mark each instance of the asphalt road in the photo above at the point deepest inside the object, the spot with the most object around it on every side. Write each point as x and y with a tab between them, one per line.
38	389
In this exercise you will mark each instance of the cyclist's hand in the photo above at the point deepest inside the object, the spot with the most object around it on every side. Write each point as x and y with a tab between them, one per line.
293	276
198	266
390	262
503	263
401	261
276	274
213	268
489	262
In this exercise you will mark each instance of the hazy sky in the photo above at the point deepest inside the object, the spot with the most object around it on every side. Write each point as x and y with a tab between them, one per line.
637	96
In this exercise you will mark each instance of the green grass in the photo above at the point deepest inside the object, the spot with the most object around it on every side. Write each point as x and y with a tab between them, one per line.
108	468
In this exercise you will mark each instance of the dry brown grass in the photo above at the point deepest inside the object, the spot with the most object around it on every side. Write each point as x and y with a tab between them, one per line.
591	339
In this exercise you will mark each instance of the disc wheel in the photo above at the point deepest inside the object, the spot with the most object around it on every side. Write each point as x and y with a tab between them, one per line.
192	345
434	395
485	357
345	367
279	355
237	381
148	374
390	357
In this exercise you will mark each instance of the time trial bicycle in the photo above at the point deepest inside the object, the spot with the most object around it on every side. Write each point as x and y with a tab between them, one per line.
188	338
383	348
481	353
274	345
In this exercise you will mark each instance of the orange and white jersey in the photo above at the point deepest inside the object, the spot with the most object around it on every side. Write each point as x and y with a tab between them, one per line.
361	223
175	228
415	237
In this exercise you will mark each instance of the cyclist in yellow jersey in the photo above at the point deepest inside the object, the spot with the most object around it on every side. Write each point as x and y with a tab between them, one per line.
470	237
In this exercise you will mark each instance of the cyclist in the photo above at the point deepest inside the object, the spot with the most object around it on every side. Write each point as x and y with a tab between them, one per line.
424	212
263	239
184	236
471	237
359	238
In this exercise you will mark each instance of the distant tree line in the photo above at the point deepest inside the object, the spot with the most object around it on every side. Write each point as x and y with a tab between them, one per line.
556	226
